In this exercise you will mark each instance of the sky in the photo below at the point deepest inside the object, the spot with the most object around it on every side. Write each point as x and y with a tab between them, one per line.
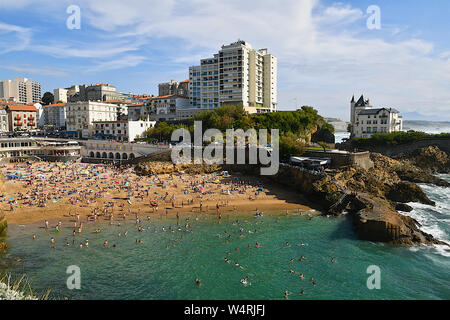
326	51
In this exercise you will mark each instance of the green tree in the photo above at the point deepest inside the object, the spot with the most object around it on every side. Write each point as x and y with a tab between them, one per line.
48	98
324	145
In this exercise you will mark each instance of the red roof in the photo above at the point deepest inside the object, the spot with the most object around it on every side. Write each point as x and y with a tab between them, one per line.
19	107
55	105
171	96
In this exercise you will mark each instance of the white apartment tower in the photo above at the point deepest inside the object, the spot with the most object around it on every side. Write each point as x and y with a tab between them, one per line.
21	90
237	74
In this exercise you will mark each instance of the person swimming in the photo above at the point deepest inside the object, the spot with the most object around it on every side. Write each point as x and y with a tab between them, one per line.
302	276
197	281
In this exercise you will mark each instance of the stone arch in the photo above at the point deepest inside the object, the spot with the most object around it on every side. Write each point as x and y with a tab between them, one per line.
125	156
117	156
91	154
104	155
111	155
132	156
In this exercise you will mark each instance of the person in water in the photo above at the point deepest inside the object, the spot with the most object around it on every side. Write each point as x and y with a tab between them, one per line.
197	281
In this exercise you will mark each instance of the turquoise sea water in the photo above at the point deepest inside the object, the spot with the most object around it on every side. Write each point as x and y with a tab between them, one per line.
151	271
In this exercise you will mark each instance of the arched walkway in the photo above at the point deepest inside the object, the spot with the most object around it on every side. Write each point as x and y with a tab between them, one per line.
104	155
91	154
132	156
111	155
125	156
117	156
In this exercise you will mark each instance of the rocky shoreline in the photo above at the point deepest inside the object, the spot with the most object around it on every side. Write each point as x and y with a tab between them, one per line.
371	196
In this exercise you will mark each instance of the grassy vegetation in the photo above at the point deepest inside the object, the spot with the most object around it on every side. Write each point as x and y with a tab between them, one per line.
18	289
396	138
295	127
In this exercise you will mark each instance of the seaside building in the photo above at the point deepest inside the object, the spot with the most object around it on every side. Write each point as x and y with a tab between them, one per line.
40	148
164	108
81	115
3	120
20	90
55	116
21	117
60	95
135	111
93	92
237	74
121	130
173	87
367	120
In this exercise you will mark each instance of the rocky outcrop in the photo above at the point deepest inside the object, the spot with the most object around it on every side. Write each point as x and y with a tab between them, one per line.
431	159
379	222
403	207
405	170
167	167
405	192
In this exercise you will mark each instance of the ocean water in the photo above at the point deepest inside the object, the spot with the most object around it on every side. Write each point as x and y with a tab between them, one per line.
162	267
339	136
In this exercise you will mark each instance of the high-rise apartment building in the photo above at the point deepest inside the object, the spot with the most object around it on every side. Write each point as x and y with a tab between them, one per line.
237	74
93	92
173	87
21	90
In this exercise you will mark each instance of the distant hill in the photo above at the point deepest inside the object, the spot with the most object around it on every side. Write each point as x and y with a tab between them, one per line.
427	126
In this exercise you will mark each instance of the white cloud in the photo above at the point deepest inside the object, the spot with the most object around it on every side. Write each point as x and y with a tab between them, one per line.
48	71
325	52
13	38
123	62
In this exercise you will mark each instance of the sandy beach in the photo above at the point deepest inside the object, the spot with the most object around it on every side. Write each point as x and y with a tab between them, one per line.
57	191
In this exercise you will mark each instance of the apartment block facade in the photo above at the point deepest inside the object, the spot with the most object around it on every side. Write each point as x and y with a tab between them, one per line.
81	116
178	88
93	92
121	130
21	117
55	115
237	74
21	90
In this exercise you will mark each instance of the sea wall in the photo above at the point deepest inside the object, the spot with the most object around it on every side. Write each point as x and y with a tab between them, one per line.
443	144
338	160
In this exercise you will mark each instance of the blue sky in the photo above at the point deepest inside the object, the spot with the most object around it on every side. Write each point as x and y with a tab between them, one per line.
325	51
